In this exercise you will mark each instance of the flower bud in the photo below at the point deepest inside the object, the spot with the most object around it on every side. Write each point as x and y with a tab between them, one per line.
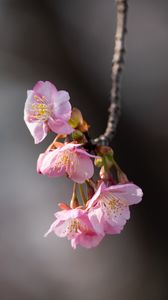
84	127
103	173
76	118
122	177
107	157
63	206
77	135
108	160
98	162
104	150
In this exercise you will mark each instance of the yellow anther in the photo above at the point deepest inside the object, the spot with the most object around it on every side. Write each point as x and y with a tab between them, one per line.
113	205
67	159
40	110
39	99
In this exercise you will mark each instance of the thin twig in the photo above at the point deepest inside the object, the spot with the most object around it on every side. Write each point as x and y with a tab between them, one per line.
117	65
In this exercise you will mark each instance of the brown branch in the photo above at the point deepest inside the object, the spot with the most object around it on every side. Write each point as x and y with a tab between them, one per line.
117	66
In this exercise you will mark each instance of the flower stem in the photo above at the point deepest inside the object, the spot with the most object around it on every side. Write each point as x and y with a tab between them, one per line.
91	183
82	194
74	188
54	143
74	200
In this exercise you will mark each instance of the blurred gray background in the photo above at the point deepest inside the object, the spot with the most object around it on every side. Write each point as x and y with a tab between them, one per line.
70	43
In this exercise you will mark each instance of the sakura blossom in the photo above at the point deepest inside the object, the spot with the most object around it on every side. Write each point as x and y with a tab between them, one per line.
108	210
97	206
47	109
67	160
75	225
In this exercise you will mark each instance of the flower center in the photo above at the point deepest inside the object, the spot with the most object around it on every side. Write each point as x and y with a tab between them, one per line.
68	160
74	226
40	109
113	205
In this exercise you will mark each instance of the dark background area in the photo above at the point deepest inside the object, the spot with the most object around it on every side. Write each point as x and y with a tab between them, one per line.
70	43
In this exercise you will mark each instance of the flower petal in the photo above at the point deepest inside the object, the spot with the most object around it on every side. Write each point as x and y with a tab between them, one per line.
38	130
87	240
117	215
62	96
83	169
55	223
47	164
62	107
130	193
69	214
69	146
47	89
58	227
95	216
39	162
59	126
108	229
95	197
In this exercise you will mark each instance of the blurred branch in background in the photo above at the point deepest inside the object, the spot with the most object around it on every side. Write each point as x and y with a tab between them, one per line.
117	62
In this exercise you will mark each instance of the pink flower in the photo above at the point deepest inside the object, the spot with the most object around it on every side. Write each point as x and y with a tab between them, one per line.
75	225
67	160
47	109
108	210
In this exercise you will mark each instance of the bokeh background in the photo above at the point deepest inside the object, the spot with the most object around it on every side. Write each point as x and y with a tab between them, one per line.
70	43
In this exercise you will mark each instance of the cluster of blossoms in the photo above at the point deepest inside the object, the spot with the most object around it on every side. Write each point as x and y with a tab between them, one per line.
104	203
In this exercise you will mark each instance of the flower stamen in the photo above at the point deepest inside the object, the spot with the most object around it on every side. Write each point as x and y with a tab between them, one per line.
113	205
69	160
40	110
